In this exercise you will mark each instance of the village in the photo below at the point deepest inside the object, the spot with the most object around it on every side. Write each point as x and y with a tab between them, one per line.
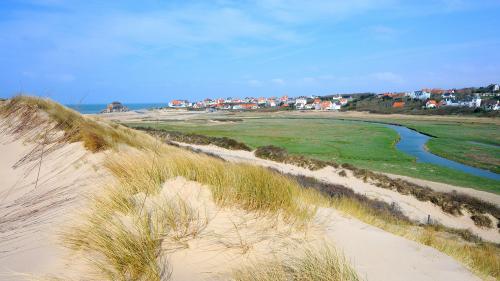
487	98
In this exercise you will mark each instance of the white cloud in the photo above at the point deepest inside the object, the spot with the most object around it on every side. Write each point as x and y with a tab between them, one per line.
254	83
387	77
278	81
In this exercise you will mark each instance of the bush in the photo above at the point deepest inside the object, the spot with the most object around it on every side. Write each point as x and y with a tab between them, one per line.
481	220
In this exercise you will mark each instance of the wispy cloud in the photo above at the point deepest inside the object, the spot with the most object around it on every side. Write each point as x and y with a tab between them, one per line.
389	77
278	81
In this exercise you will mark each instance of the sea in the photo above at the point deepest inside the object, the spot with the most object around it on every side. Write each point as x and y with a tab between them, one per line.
97	108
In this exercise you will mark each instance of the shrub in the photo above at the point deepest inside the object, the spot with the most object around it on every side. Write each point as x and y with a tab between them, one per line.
481	220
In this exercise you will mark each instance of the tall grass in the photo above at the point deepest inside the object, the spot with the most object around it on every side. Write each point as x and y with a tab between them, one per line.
323	264
251	187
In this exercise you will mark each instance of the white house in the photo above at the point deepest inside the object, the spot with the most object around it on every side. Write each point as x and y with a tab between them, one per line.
420	95
300	103
496	87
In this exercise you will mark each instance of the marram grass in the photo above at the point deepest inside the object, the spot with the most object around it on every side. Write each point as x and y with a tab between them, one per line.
315	264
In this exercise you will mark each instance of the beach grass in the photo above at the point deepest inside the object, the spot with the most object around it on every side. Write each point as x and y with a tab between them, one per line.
321	264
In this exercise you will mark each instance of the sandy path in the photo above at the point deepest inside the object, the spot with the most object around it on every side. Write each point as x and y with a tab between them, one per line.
410	206
381	256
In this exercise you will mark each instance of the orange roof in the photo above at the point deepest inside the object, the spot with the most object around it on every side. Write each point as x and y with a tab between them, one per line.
398	104
432	102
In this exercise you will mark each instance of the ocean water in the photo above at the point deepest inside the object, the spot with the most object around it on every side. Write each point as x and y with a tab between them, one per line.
97	108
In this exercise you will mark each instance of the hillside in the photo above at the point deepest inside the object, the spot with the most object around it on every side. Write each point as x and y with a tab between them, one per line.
87	199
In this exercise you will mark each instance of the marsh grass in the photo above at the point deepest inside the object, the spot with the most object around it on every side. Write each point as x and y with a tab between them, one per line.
324	264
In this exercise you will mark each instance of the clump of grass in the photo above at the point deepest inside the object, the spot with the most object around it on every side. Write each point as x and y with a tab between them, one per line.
343	173
323	264
279	154
122	246
27	113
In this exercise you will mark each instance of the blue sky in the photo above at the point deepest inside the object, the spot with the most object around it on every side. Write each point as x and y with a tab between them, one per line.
153	51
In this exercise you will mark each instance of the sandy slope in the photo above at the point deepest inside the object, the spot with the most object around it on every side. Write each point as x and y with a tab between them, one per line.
31	212
379	255
233	238
413	208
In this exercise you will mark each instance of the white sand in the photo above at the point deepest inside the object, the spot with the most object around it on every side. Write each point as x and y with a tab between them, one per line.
379	255
410	206
30	216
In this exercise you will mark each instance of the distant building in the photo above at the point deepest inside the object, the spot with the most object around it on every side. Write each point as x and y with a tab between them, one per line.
398	104
496	88
115	107
300	103
179	104
431	104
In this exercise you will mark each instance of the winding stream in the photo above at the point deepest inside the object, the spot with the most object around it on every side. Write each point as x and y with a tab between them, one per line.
413	143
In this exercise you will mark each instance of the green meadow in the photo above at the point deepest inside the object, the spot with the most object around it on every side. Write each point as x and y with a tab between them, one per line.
365	145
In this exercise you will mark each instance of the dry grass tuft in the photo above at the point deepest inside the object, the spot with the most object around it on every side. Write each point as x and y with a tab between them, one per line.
323	264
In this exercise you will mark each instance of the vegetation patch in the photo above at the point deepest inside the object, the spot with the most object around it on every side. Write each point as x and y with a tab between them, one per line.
280	154
481	220
452	203
195	139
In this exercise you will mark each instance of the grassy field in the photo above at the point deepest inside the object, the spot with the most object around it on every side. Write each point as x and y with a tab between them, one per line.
365	145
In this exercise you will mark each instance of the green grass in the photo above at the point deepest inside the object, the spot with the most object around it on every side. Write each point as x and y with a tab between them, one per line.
365	145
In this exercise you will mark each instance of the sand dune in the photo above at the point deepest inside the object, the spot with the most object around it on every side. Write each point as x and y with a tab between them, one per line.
410	206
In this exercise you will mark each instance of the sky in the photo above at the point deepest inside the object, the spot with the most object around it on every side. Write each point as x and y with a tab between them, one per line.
154	51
